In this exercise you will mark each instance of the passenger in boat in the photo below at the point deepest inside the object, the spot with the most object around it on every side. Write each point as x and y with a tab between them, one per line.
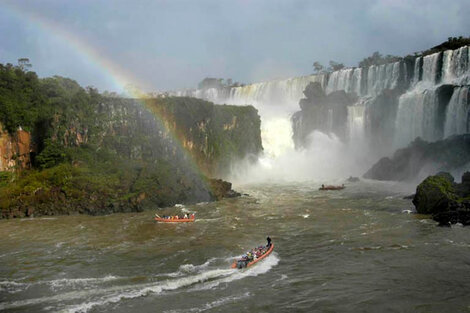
242	262
322	186
185	216
258	253
269	242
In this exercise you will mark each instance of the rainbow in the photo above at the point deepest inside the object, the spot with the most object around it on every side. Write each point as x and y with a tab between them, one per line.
117	75
121	79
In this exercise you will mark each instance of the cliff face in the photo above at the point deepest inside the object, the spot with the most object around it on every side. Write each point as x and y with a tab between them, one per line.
15	150
180	130
215	135
319	111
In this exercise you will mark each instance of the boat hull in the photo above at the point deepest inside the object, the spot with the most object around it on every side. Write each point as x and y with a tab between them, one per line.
234	264
332	188
181	220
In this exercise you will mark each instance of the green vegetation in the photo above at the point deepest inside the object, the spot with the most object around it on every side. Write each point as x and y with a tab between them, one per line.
452	43
218	83
91	180
334	66
85	157
378	59
100	154
218	133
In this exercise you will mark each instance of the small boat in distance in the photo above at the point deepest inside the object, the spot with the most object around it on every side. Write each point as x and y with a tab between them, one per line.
253	257
331	187
175	219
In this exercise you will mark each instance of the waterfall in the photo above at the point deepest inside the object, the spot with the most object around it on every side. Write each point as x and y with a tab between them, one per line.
417	71
456	63
356	122
417	117
397	102
348	80
380	77
430	68
419	107
284	93
458	112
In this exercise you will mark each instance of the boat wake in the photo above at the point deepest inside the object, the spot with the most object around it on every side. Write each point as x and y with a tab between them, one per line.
213	304
98	292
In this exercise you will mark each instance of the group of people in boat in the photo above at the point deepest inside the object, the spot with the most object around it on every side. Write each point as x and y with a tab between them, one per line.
253	254
177	217
331	187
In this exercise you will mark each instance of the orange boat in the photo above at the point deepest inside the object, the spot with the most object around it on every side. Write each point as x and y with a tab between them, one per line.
268	252
174	220
330	187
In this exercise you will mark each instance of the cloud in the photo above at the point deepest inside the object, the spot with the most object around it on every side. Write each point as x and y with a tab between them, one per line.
175	44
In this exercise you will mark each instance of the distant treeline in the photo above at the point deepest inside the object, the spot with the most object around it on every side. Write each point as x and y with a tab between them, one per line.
377	58
218	83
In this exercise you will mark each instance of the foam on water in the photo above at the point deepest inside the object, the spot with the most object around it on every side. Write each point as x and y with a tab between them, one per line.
12	286
18	286
72	282
190	268
214	304
132	292
209	278
258	269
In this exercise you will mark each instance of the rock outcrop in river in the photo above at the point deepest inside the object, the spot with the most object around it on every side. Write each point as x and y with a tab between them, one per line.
447	201
405	164
320	111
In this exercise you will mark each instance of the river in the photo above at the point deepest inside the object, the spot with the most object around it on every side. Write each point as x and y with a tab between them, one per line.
355	250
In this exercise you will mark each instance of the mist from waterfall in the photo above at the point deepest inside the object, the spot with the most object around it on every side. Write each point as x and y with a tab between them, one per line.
326	159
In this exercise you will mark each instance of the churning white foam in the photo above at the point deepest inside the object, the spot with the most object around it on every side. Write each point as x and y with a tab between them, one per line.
199	274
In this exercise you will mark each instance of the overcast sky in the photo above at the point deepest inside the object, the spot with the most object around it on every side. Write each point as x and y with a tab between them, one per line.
163	45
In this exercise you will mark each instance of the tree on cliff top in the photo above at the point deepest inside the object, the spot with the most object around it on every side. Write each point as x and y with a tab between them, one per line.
218	83
378	59
210	82
24	64
335	66
317	67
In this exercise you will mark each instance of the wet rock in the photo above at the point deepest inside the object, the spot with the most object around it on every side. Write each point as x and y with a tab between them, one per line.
222	189
447	201
434	194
